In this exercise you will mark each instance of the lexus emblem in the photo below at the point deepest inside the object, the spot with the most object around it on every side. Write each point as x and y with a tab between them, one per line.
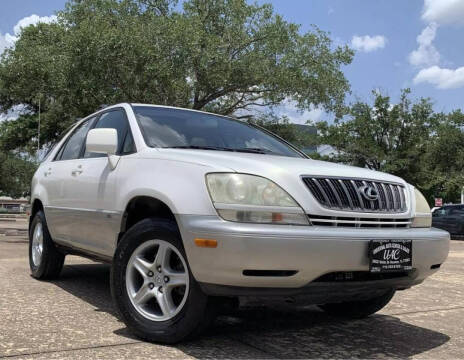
369	192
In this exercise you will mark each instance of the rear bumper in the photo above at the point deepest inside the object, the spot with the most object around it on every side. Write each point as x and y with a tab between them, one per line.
310	251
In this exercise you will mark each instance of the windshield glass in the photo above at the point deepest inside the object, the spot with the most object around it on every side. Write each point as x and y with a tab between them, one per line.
177	128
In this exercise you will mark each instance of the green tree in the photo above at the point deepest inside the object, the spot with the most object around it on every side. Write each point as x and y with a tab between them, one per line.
225	56
445	157
406	139
281	126
16	174
20	134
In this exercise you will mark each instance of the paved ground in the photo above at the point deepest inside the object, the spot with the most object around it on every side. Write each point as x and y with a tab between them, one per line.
73	317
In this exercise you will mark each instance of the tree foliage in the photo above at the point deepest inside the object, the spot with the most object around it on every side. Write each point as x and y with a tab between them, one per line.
224	56
445	157
282	127
406	139
16	174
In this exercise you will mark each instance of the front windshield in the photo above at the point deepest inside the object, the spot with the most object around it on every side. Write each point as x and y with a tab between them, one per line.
177	128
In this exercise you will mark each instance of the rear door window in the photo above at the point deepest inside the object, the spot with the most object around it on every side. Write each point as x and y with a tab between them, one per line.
73	146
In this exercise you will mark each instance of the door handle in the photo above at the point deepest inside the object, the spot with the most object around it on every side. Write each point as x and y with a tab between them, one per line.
48	172
77	171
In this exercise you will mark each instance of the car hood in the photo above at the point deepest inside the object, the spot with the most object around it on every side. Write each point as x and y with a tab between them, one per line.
270	166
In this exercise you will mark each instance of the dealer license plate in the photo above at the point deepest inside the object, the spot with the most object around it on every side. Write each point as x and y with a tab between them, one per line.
390	255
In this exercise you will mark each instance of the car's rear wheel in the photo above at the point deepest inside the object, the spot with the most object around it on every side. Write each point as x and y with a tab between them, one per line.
358	309
45	260
152	286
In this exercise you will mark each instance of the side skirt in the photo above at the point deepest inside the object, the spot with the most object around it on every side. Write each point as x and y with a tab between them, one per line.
69	250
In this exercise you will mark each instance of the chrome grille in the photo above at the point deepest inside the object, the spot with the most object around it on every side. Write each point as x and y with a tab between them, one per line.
319	220
346	194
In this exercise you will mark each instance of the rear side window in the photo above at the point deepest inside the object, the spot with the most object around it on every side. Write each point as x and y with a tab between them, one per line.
54	144
117	120
73	146
440	212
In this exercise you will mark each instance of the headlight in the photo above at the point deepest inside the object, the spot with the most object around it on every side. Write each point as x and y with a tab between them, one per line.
423	216
250	198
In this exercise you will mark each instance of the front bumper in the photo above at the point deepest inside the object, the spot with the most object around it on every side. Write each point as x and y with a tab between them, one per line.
311	251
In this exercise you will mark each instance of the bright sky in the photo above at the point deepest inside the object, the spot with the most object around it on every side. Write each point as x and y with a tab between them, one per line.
398	43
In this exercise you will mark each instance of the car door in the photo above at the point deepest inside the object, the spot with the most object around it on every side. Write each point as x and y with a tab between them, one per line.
60	209
460	221
438	218
94	187
454	219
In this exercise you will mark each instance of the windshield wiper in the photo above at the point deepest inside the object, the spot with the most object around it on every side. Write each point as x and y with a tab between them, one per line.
254	150
199	147
220	148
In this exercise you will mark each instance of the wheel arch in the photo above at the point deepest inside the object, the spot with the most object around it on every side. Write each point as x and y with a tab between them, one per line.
142	207
36	206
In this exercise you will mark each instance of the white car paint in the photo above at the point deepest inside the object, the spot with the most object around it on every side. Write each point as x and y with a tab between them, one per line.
84	201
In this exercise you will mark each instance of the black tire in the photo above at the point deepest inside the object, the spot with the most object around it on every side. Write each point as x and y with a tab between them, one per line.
358	309
195	315
52	260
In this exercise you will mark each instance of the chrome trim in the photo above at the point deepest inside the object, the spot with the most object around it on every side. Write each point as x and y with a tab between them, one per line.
392	189
316	181
380	196
334	190
82	209
335	221
343	193
362	221
350	201
387	199
351	178
365	196
361	202
402	198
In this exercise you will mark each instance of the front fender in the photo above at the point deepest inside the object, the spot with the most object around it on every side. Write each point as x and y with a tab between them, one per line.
180	185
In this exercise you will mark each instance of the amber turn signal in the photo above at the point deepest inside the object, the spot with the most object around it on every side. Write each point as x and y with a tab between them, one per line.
206	243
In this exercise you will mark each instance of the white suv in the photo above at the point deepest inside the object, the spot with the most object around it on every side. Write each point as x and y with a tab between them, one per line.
194	209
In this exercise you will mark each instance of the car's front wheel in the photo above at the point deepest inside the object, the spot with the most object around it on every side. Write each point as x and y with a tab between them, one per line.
358	309
152	286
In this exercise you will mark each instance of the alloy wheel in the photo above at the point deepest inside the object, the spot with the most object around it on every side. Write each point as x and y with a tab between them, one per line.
37	244
157	280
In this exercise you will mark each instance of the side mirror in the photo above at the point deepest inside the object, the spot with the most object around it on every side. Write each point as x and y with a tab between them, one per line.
103	141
